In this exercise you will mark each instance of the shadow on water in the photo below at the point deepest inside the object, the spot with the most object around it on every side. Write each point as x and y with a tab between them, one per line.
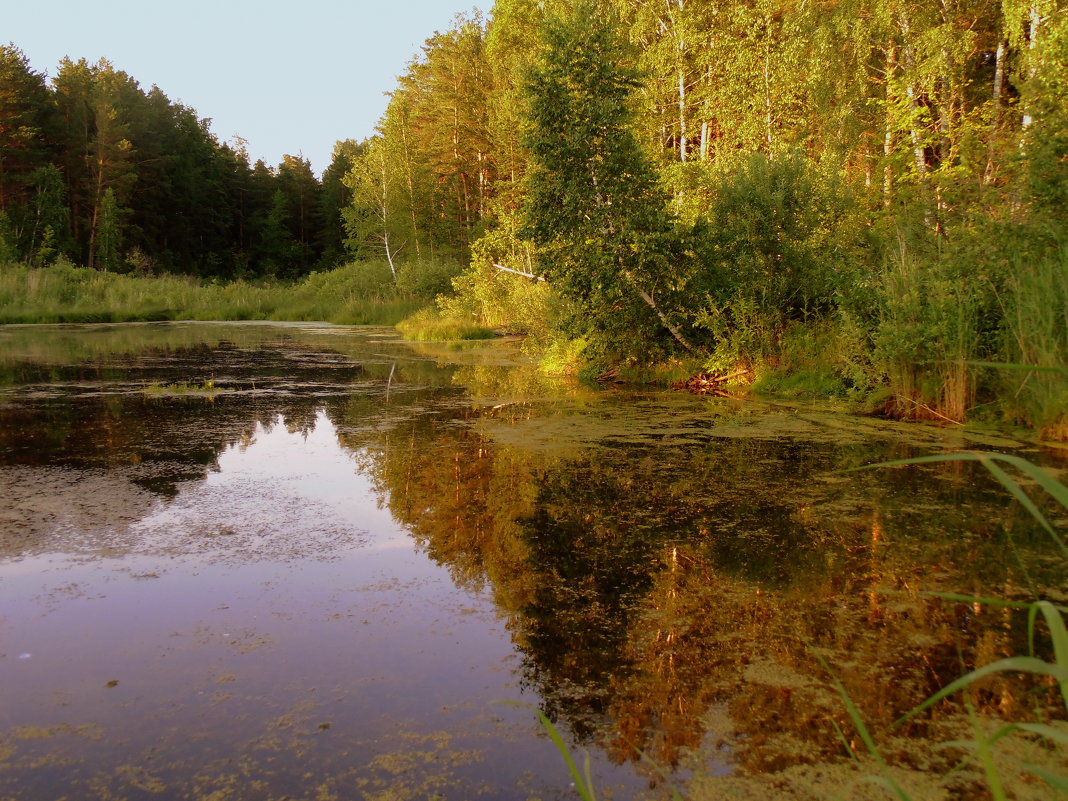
254	561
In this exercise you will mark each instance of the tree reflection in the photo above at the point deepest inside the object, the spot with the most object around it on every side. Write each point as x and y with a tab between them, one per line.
666	599
662	609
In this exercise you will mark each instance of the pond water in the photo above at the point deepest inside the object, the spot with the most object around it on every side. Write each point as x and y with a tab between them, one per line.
309	562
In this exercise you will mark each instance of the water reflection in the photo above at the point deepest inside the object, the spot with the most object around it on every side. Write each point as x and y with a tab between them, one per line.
674	602
318	579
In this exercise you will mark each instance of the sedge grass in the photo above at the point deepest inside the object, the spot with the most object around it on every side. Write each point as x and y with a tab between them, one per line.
429	325
206	388
62	293
983	747
1056	669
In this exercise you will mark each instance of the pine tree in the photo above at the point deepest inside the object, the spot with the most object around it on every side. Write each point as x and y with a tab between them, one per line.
108	234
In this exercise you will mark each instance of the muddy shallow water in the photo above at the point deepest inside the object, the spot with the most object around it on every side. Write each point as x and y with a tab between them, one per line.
310	562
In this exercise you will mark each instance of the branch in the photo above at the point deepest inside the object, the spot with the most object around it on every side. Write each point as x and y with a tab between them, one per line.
519	272
675	332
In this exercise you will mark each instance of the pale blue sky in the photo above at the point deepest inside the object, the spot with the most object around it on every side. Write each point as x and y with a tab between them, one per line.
287	76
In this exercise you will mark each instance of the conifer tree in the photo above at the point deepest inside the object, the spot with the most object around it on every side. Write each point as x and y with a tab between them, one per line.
108	234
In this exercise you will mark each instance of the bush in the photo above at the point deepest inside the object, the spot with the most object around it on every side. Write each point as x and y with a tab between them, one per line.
783	242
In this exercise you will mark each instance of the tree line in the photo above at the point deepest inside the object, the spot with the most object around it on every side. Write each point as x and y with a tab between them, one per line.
937	106
869	192
112	176
869	197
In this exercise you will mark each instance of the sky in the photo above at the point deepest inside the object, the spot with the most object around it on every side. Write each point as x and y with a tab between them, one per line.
291	77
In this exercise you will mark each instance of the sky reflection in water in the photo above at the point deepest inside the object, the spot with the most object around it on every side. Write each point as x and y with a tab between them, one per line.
320	579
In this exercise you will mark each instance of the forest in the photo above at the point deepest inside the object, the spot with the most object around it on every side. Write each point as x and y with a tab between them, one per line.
862	200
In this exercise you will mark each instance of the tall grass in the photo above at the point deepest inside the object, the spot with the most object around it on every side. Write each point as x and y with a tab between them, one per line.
928	334
429	325
354	294
1036	322
987	748
983	746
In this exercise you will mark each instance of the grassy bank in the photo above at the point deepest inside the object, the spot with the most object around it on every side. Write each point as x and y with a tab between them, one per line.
355	294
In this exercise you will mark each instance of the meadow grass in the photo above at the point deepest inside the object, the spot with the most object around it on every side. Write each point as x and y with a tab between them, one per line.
354	294
430	325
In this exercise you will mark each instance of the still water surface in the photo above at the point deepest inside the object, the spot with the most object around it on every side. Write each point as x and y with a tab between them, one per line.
307	562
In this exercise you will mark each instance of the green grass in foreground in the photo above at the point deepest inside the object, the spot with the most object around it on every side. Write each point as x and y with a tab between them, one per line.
988	749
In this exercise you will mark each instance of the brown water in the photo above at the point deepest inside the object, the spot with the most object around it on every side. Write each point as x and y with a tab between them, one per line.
306	562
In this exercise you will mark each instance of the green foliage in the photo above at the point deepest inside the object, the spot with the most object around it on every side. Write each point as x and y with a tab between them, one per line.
1057	669
8	250
206	388
426	278
593	206
928	332
782	229
1046	139
812	362
782	243
185	201
49	232
108	236
357	294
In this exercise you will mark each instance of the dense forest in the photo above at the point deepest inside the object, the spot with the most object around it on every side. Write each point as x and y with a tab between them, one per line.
864	199
116	178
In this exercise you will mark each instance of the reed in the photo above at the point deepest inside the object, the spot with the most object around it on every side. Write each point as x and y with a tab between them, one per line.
1036	343
354	294
429	325
983	746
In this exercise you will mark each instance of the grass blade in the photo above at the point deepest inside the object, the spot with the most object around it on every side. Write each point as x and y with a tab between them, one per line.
977	599
1042	730
1014	664
1055	489
1054	779
1018	493
583	786
865	735
585	791
1059	635
589	778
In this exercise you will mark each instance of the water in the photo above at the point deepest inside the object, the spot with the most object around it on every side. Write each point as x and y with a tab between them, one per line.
261	561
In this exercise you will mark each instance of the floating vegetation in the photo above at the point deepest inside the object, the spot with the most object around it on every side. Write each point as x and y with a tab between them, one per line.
361	538
182	388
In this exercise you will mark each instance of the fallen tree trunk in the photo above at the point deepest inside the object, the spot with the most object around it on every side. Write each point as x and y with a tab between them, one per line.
708	384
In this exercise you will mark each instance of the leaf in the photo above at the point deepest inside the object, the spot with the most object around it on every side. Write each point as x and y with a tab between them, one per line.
979	599
584	787
584	790
1018	664
1055	779
862	729
1056	490
1046	731
1059	635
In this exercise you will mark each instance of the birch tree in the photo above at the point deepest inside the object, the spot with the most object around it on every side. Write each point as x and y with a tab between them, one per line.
593	207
